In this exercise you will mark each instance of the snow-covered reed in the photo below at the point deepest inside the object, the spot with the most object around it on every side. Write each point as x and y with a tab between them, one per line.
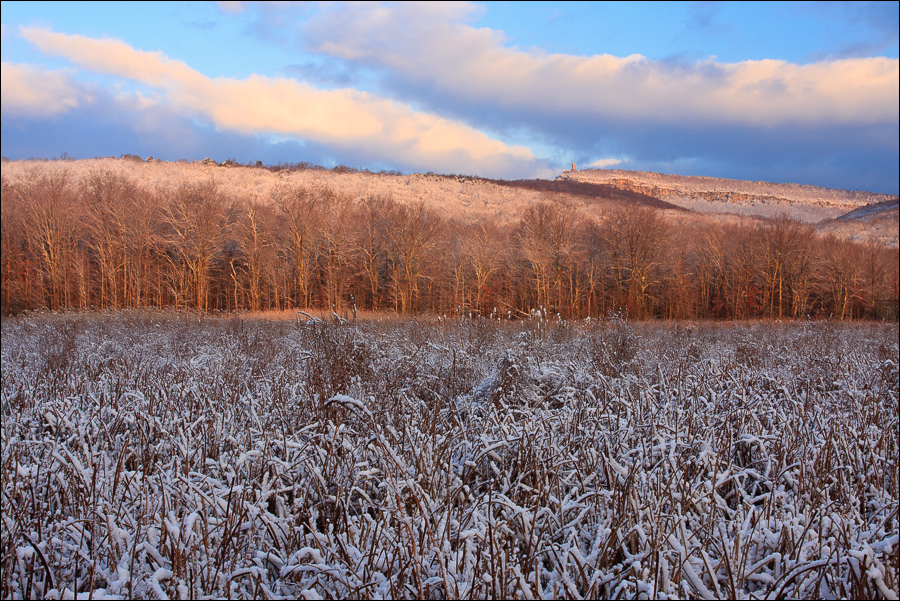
165	455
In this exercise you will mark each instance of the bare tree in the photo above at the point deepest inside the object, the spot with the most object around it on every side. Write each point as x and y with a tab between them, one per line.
111	200
634	236
49	203
414	231
741	276
197	225
301	209
892	283
13	252
712	265
593	264
801	270
783	250
679	281
842	281
874	272
256	244
335	248
484	253
546	238
373	215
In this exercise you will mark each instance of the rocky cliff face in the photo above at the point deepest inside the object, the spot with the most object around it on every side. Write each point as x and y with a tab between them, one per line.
673	194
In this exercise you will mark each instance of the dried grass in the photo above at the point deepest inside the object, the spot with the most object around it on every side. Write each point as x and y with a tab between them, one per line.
161	454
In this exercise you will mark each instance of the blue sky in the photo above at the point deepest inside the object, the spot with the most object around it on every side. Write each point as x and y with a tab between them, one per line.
793	92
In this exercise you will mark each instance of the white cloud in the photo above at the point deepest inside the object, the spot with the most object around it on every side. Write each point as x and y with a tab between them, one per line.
434	47
349	119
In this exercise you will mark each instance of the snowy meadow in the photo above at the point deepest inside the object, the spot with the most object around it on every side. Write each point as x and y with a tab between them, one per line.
171	455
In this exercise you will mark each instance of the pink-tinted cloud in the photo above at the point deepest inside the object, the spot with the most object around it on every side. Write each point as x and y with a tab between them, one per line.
345	118
603	163
32	92
437	48
231	7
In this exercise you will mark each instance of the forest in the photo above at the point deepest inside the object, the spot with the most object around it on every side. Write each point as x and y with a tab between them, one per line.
101	240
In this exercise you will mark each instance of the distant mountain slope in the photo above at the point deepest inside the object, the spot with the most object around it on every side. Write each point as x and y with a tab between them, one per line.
879	220
812	204
460	197
847	214
872	211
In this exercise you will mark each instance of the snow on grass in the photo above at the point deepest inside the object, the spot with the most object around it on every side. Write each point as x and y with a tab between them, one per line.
168	456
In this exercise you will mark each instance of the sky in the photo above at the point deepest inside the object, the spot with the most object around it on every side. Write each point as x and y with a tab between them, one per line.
805	92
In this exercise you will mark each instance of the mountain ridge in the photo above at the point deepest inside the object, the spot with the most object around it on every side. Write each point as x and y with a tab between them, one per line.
726	190
470	198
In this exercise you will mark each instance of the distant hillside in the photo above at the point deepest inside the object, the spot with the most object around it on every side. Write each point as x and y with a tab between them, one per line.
460	197
811	204
471	199
879	221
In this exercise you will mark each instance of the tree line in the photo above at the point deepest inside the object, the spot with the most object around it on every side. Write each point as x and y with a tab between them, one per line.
103	241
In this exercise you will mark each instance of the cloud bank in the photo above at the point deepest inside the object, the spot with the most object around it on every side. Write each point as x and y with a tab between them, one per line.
32	92
436	49
362	123
832	122
421	87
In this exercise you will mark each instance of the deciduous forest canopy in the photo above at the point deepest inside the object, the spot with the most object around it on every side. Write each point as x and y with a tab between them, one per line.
103	239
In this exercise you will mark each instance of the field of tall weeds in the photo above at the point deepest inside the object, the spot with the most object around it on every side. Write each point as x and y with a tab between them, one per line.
167	455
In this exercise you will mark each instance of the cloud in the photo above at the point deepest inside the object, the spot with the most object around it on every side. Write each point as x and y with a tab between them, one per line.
435	50
605	163
702	14
842	156
881	19
437	83
761	119
326	72
32	92
364	123
233	8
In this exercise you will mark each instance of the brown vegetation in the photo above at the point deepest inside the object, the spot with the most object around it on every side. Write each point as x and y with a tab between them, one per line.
180	455
105	238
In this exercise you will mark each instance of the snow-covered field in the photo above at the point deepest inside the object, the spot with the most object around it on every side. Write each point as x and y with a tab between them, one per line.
162	455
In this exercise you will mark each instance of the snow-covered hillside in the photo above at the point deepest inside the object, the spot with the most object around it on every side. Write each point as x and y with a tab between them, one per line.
718	195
